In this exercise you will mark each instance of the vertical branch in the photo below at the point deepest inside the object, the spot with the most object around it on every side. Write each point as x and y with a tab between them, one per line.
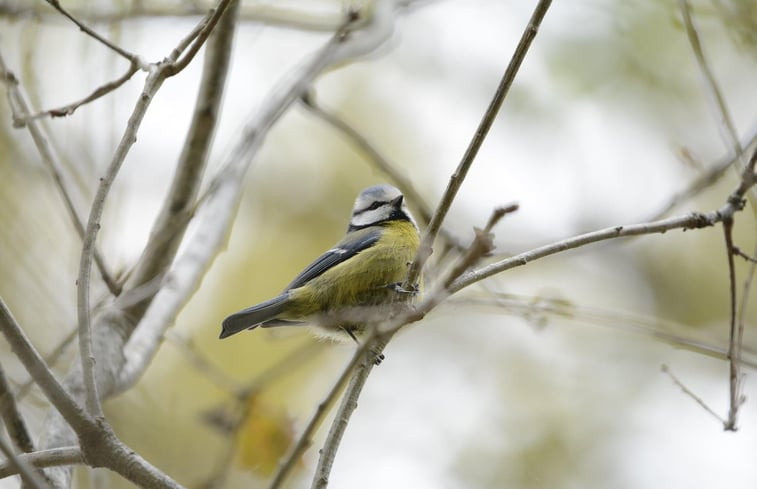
734	346
152	84
456	180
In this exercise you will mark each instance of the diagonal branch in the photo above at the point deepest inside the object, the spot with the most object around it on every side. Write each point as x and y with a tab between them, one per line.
456	180
132	58
39	371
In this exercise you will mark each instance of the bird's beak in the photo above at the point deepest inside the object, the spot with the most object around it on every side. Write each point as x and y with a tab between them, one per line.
397	203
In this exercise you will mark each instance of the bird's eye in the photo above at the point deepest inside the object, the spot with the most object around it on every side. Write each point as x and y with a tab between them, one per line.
375	205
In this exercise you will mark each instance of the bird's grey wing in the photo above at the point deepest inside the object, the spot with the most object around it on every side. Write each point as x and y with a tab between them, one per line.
351	245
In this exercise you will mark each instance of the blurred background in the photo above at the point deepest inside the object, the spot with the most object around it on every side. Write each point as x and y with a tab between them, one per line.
547	376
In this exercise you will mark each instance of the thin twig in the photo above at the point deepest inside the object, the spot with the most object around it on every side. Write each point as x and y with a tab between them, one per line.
69	109
691	394
197	37
737	251
132	58
45	458
322	410
702	182
20	108
690	221
29	475
457	178
482	245
14	422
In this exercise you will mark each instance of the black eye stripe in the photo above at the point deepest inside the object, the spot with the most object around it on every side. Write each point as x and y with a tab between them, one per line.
374	205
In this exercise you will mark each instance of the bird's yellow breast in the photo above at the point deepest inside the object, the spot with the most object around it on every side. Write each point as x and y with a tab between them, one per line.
365	279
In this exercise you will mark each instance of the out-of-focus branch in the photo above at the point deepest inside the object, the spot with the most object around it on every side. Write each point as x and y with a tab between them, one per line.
45	458
721	108
20	108
702	182
39	371
457	178
379	161
11	416
538	309
262	13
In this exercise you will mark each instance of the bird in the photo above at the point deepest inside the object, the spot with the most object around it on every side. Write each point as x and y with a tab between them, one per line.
357	282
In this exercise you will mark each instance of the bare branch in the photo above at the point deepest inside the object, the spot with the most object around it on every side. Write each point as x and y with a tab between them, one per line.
456	180
69	109
362	143
690	221
195	39
132	58
322	410
14	422
358	373
691	394
702	182
482	245
734	348
45	458
724	116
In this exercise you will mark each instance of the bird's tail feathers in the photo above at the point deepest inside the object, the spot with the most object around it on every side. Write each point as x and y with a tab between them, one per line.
254	316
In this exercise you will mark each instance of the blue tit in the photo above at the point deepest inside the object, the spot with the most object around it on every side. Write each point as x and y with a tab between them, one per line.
356	282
